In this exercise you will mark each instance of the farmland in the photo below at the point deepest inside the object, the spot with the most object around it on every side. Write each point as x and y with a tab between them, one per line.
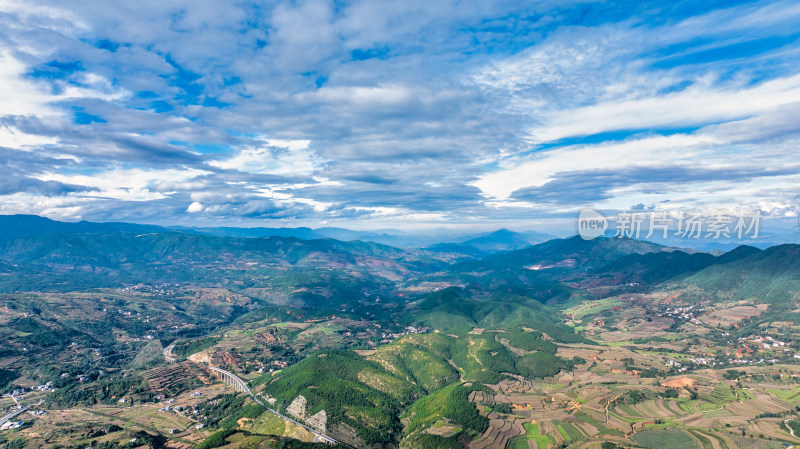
501	356
638	392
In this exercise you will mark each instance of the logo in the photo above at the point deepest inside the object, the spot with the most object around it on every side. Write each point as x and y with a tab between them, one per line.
591	224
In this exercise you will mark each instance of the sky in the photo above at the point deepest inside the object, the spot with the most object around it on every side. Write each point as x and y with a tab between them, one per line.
374	114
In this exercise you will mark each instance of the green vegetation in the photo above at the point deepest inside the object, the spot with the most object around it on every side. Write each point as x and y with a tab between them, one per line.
569	431
502	408
34	332
794	425
722	394
189	347
217	439
17	443
428	441
6	376
225	410
269	424
350	389
348	386
450	403
530	341
88	313
769	274
757	443
541	364
420	359
106	390
733	374
531	433
659	439
482	358
453	311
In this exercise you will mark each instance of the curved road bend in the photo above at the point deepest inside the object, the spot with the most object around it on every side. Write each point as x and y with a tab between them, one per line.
241	383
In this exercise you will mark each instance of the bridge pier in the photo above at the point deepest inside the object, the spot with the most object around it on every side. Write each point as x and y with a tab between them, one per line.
230	380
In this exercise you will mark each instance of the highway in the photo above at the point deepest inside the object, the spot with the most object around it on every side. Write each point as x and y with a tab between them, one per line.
242	386
12	415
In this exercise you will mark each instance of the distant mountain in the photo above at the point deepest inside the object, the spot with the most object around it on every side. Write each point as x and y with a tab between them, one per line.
46	255
573	253
21	225
33	248
112	250
497	241
226	231
456	249
771	275
300	233
654	268
15	226
391	238
505	240
766	238
740	252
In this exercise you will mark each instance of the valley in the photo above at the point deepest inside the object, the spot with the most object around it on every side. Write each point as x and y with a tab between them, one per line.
629	344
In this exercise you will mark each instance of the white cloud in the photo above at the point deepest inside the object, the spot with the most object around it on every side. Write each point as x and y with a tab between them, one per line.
536	170
288	198
396	135
11	137
18	95
24	98
694	106
589	81
195	207
276	157
127	184
364	96
56	207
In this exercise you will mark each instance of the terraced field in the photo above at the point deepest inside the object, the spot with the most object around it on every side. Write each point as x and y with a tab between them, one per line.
532	439
569	432
498	434
753	443
670	438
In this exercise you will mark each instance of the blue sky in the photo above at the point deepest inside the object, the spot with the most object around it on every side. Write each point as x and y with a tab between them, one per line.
373	114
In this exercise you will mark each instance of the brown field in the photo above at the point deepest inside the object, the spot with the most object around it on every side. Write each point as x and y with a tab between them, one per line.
728	316
680	382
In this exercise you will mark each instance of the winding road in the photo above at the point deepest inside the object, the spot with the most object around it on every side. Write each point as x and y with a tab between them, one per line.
786	423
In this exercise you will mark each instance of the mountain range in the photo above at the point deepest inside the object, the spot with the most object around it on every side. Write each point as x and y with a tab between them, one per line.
103	253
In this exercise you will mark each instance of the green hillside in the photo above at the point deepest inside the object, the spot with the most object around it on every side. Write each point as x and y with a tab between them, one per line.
771	275
585	253
369	393
455	311
420	360
351	390
656	267
449	405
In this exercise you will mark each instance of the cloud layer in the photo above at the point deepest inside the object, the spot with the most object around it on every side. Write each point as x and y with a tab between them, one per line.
372	113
